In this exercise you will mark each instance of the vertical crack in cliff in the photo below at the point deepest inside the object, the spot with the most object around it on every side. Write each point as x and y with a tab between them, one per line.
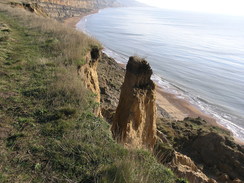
134	124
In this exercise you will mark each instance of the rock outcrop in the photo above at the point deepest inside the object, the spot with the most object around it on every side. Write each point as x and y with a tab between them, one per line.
184	167
31	7
134	123
88	74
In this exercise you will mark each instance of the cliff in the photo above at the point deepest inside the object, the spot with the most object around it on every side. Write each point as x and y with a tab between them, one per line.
183	166
134	124
89	77
31	7
61	9
111	76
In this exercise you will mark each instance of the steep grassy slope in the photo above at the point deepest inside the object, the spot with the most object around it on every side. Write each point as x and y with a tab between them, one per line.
48	132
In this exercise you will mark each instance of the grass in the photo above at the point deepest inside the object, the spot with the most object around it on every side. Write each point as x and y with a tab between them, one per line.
48	132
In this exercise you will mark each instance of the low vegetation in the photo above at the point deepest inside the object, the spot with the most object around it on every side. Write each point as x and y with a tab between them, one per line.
48	132
182	133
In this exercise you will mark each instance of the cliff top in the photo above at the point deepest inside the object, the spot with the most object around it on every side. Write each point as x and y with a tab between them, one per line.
139	66
48	132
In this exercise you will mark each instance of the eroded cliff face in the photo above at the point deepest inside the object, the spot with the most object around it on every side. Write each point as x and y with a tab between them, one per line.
61	9
88	74
134	123
31	7
111	76
183	166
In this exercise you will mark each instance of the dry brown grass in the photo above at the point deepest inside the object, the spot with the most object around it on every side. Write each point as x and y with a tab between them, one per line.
67	44
68	88
63	47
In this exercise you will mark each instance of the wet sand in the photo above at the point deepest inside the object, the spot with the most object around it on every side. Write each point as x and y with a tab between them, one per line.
180	108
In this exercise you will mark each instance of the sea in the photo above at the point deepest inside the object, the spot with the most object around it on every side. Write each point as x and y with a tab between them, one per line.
196	56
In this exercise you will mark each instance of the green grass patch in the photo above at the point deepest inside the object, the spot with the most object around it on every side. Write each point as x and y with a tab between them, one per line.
51	133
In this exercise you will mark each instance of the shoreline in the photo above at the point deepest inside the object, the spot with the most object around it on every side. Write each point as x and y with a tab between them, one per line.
176	108
72	21
180	108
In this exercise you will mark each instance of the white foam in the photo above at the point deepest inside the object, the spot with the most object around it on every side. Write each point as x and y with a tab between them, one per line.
222	118
119	58
81	25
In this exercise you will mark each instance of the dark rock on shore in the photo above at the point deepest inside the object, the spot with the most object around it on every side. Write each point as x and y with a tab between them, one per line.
212	148
220	152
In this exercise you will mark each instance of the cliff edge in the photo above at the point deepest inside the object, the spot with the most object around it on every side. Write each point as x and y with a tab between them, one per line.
88	74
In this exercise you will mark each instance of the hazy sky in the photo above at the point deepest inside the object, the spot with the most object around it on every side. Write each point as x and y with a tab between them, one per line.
230	7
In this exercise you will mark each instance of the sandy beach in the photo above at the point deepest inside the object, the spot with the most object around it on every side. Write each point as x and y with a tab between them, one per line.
179	108
72	21
176	108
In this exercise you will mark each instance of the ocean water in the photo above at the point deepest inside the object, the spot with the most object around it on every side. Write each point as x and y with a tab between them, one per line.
198	57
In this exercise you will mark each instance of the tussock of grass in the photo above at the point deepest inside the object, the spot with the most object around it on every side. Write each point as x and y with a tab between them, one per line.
50	133
138	167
